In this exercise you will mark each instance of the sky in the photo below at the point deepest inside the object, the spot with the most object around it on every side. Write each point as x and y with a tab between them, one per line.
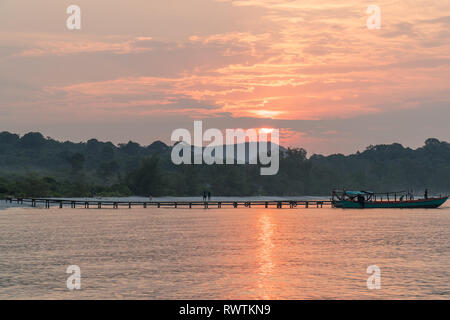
139	69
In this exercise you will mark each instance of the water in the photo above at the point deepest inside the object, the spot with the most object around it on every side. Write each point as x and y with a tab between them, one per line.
244	253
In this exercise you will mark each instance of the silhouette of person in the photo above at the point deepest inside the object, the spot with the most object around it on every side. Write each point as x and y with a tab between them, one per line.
426	194
209	195
361	200
204	195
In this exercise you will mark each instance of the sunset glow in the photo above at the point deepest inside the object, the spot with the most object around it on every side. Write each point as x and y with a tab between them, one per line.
266	130
307	66
225	159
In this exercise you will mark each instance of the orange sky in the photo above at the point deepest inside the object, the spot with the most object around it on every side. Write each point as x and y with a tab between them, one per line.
139	69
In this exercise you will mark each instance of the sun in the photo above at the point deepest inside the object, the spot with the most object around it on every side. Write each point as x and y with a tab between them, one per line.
266	130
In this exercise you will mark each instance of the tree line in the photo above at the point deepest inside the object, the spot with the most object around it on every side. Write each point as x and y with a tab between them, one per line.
35	166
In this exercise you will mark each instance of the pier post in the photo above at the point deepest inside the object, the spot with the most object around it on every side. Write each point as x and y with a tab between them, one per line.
190	205
60	204
99	205
145	205
159	205
306	204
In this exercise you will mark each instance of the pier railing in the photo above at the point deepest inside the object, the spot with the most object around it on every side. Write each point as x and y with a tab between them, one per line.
65	203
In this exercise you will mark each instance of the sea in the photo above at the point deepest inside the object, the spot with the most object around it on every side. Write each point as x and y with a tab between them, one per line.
226	253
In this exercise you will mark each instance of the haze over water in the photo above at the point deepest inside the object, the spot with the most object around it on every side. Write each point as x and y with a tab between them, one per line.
230	253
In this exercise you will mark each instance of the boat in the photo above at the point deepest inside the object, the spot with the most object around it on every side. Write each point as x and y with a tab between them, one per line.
368	199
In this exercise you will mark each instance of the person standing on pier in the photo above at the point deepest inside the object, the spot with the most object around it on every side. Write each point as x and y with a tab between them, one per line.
204	195
426	194
209	195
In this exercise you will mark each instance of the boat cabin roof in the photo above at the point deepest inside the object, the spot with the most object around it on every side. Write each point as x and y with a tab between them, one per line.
364	193
358	193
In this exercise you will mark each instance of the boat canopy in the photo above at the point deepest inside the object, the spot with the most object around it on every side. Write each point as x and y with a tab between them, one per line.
358	193
363	193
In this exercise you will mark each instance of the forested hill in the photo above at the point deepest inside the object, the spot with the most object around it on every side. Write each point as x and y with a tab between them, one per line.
32	165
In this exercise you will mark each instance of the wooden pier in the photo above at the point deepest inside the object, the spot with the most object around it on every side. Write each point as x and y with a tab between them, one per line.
99	204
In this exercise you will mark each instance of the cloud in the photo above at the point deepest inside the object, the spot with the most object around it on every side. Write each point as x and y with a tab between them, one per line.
83	46
269	61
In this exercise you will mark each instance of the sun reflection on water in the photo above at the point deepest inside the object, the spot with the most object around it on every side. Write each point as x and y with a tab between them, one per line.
265	255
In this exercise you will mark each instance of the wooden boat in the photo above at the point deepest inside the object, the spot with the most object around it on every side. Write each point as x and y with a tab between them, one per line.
367	199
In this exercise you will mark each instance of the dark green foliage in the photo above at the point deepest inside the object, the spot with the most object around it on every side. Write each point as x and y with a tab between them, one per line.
148	179
77	162
36	166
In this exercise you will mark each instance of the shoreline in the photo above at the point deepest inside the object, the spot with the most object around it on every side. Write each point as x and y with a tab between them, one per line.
121	202
6	205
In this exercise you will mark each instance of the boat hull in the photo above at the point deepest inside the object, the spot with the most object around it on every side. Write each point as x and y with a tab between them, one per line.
421	203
